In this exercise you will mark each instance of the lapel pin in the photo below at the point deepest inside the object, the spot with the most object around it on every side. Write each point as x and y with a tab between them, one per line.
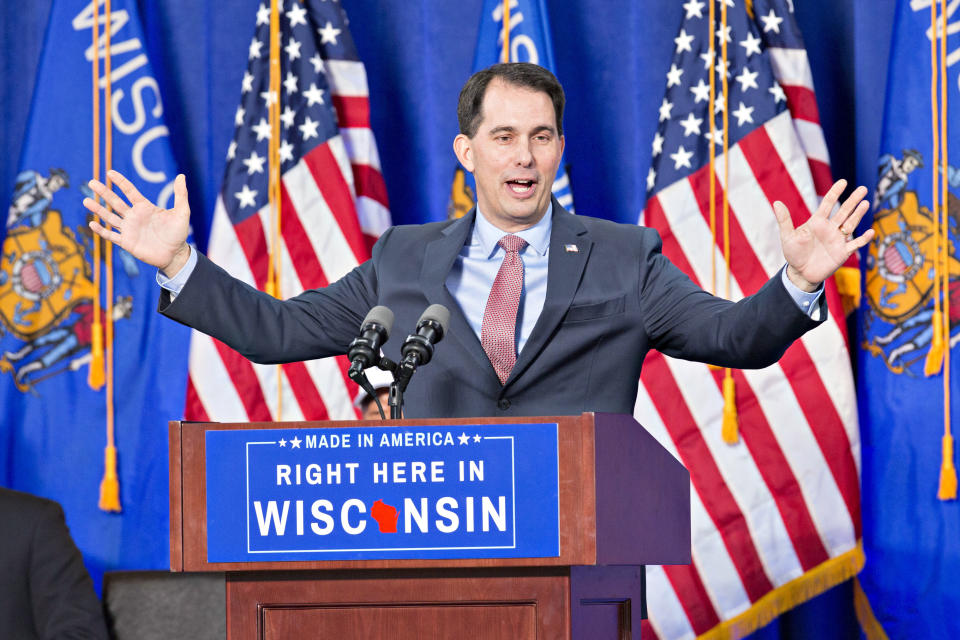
571	248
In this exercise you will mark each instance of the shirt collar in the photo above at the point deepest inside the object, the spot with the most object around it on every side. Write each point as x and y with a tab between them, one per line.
487	236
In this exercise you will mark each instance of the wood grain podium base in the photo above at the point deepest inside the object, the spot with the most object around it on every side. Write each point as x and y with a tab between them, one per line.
479	604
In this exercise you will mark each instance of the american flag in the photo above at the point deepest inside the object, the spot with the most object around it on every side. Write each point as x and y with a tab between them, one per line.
776	516
333	206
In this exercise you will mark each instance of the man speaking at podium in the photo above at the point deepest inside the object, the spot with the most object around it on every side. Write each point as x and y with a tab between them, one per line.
550	313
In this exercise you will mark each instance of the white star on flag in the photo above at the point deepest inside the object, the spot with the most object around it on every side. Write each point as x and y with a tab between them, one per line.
673	76
694	9
747	79
262	129
293	50
683	42
297	15
246	196
309	128
665	108
313	95
657	144
751	44
290	84
771	22
681	158
691	125
254	163
328	35
287	117
651	178
247	84
255	47
743	114
701	92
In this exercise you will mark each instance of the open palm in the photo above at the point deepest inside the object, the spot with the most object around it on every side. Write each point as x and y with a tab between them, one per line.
820	246
151	234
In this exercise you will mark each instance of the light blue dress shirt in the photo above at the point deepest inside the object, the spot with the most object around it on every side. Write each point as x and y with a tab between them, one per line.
472	276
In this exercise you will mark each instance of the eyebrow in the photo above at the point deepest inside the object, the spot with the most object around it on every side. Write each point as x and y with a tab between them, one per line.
509	129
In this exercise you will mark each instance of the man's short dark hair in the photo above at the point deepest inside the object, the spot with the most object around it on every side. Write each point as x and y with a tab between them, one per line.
518	74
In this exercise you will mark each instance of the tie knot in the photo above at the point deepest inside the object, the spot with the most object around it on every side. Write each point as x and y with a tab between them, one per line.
511	242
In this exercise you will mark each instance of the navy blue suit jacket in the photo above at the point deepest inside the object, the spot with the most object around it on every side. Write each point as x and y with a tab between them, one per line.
607	304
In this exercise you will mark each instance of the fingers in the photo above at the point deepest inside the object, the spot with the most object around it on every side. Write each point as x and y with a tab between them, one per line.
126	186
108	196
829	200
180	193
861	241
101	231
845	217
783	218
105	214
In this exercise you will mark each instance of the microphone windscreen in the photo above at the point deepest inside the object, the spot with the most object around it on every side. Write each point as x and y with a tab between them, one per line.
438	313
381	316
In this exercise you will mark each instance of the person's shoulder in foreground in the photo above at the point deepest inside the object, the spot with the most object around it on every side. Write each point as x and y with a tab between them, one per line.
45	590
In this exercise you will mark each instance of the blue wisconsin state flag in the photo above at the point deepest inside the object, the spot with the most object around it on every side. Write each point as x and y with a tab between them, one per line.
911	539
529	41
53	424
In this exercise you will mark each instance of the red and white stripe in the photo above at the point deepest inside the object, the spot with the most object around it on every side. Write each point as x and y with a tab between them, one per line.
333	208
786	497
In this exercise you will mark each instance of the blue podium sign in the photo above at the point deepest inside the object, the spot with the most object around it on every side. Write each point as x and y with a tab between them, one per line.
364	493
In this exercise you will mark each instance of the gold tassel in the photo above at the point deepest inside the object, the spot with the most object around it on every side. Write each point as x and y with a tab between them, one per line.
948	473
729	430
110	484
95	376
847	280
935	355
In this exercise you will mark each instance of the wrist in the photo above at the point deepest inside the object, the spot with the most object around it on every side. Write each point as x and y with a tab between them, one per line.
798	280
178	261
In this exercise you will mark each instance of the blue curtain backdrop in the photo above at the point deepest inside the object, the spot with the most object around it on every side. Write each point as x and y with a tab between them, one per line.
611	56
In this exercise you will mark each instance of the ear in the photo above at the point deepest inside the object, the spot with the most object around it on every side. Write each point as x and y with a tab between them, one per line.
563	143
463	147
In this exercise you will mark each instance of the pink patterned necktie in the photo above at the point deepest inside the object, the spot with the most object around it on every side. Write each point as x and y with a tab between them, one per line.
500	316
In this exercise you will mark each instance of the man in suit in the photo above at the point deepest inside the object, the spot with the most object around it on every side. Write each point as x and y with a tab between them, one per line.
45	591
550	313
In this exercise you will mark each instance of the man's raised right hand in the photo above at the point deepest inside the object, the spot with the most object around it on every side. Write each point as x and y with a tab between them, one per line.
151	234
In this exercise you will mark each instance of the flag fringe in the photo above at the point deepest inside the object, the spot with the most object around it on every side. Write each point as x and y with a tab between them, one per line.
847	280
95	376
869	624
821	578
935	356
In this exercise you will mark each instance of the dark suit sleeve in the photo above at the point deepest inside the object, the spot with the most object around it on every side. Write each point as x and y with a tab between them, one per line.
65	606
315	324
686	322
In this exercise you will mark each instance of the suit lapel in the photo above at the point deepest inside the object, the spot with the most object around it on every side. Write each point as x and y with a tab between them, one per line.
438	259
564	269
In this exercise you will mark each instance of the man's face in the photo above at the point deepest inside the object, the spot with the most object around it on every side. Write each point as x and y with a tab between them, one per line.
909	164
514	155
55	183
370	410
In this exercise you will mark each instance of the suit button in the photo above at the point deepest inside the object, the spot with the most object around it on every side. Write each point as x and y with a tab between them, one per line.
503	404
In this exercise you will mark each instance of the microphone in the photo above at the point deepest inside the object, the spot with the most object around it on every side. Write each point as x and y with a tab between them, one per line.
364	351
417	349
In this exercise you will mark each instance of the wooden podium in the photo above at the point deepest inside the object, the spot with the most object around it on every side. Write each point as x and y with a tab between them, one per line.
624	502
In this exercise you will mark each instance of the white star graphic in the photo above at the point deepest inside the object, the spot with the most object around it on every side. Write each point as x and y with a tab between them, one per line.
247	82
238	116
771	22
665	108
293	49
255	49
263	15
681	158
743	114
309	129
751	44
716	138
313	95
262	129
297	15
296	442
691	125
657	144
286	151
290	83
246	196
718	105
232	150
724	33
723	68
317	63
463	438
694	9
683	42
476	437
701	92
283	442
328	35
673	76
707	57
651	178
287	117
747	79
254	163
269	97
777	91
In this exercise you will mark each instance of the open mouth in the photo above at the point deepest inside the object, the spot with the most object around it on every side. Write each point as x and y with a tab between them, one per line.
521	187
